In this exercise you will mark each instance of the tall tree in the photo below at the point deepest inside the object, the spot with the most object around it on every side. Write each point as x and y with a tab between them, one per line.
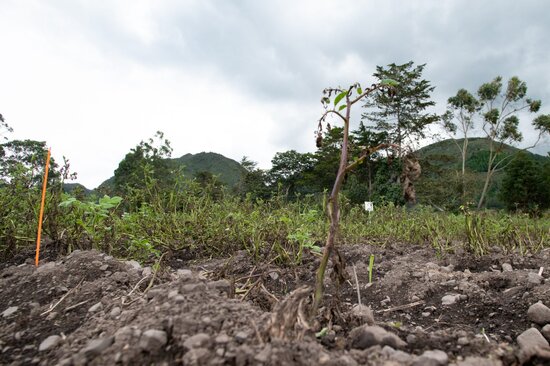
459	120
360	139
523	186
146	161
254	181
24	161
289	170
499	111
402	114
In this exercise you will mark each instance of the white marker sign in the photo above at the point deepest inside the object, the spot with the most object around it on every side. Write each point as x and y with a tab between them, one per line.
369	206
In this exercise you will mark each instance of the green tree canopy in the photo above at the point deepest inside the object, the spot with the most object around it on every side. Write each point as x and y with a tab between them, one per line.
148	160
523	185
401	112
290	171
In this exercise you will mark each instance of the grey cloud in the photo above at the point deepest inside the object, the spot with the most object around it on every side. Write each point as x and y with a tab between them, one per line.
281	55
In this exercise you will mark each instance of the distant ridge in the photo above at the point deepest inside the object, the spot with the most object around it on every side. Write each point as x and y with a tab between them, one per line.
227	170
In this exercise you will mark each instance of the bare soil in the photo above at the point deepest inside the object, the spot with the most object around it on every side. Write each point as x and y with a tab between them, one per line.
233	311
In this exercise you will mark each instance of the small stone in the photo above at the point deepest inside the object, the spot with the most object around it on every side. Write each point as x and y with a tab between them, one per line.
534	278
363	313
463	341
134	265
185	273
172	294
104	267
222	286
539	313
196	356
415	298
147	271
507	267
411	339
10	311
95	308
396	355
274	276
179	299
366	336
193	287
432	358
426	314
449	299
222	339
153	340
199	340
48	343
530	342
115	312
241	336
546	331
478	361
97	346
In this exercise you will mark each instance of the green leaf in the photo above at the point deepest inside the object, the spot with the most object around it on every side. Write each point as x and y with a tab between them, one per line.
342	107
389	82
323	332
359	91
339	97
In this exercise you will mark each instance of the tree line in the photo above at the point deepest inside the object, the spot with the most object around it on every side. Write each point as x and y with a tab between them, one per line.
401	117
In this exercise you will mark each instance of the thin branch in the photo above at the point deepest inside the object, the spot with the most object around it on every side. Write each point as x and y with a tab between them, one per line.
368	152
332	111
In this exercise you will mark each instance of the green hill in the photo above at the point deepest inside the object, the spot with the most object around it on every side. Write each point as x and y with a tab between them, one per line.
227	170
440	183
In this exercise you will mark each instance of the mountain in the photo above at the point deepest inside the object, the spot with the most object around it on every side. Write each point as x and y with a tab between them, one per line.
72	188
441	162
227	170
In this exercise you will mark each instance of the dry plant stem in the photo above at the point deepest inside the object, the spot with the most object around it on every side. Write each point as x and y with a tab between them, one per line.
333	213
357	286
402	307
60	300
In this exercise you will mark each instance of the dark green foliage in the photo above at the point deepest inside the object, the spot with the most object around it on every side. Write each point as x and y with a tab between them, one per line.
401	113
290	172
254	183
228	171
523	186
144	163
24	160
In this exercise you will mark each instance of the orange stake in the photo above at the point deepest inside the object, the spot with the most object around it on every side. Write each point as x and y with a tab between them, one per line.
44	184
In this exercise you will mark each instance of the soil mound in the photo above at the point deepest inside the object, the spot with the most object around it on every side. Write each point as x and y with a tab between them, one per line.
89	308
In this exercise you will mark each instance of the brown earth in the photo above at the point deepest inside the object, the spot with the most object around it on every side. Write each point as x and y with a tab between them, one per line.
89	308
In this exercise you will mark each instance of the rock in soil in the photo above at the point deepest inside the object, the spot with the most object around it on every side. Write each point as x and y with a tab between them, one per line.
432	358
48	343
367	336
531	342
153	340
539	313
546	331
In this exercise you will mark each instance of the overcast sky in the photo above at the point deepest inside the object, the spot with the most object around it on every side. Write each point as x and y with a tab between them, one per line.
93	78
